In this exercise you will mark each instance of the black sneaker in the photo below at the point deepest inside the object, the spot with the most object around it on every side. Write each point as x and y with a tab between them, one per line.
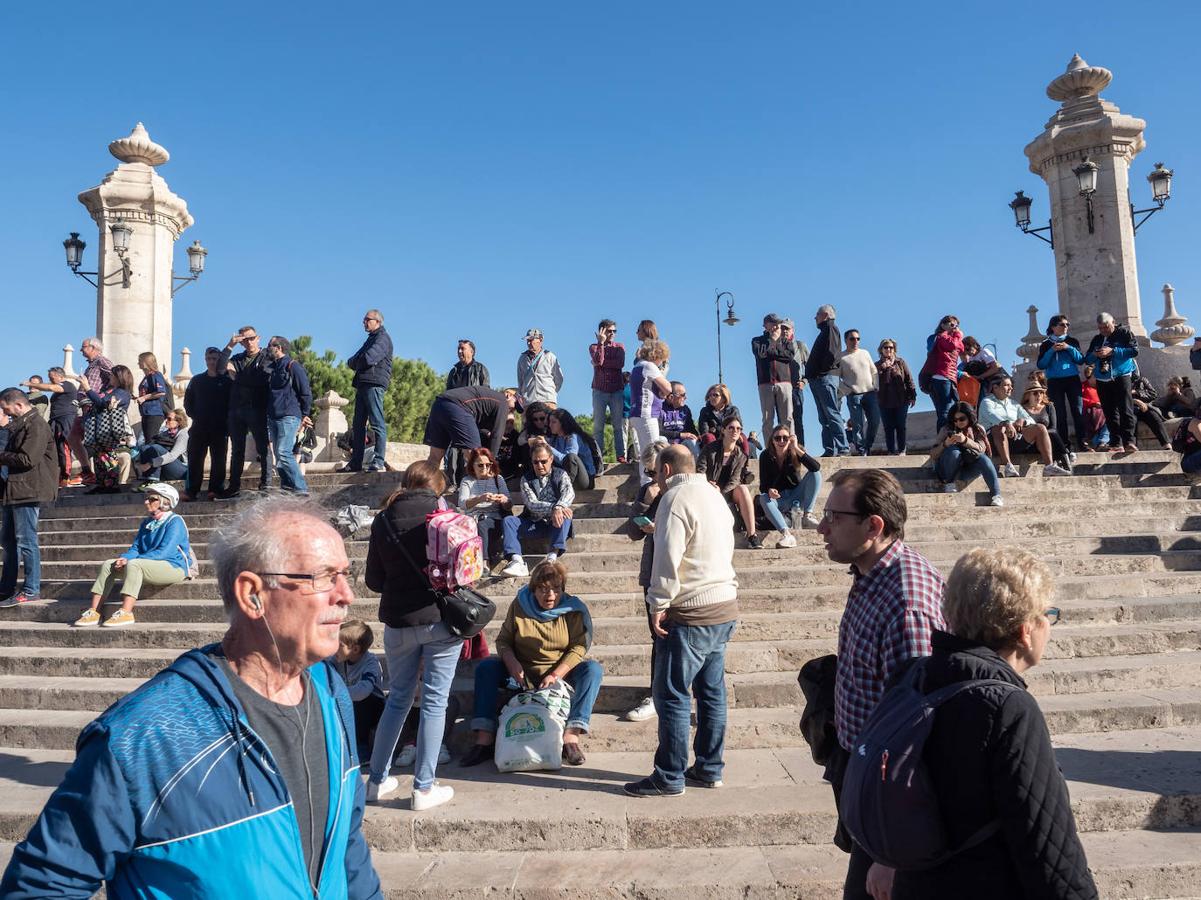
477	754
648	787
229	494
690	777
755	542
17	599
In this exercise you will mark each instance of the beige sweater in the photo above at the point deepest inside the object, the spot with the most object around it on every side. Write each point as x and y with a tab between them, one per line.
858	372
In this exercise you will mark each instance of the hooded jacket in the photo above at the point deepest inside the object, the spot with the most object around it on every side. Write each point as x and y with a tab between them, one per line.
1060	363
172	795
32	462
990	757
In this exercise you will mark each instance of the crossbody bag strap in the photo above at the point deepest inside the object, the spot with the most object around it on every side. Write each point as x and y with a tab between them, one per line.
395	538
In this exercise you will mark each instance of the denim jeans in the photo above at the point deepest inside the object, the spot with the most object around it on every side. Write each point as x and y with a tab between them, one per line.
945	395
368	407
864	411
283	439
490	674
691	659
250	420
1190	463
613	403
19	525
1067	395
894	428
798	415
405	650
515	528
803	495
149	455
829	413
952	465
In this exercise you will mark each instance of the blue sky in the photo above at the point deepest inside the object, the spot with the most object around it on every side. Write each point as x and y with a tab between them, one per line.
477	168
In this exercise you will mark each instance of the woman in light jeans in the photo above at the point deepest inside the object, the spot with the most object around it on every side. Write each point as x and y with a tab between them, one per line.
648	387
416	643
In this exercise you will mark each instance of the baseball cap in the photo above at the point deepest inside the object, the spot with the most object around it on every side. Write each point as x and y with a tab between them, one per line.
772	319
533	333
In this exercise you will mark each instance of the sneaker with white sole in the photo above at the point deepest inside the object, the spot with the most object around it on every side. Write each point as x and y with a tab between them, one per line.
810	521
950	488
643	711
516	568
88	619
551	557
1011	471
118	619
787	539
996	501
435	796
407	756
377	792
1053	469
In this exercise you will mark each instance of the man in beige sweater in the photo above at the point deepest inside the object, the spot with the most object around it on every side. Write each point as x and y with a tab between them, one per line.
692	608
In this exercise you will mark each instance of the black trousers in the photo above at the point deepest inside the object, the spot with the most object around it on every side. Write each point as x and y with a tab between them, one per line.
1066	395
244	420
855	886
1118	406
210	443
1153	420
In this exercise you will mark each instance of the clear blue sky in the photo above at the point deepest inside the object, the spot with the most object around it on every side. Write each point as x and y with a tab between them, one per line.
477	168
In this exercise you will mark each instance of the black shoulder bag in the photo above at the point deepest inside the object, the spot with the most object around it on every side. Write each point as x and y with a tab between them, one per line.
465	611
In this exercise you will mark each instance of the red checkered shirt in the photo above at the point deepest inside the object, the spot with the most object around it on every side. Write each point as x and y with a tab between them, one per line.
891	613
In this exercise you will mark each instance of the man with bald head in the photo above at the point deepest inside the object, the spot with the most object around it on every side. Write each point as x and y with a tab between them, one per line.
692	609
201	781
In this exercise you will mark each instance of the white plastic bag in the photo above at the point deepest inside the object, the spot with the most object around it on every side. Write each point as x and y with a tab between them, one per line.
530	736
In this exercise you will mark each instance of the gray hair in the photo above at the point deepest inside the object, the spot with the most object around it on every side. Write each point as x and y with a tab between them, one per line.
1104	317
256	540
828	310
92	342
379	315
650	454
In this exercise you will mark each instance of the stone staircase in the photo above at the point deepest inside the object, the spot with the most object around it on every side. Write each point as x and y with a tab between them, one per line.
1120	686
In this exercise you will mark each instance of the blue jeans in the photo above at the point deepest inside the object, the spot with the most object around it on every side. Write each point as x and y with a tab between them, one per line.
490	674
864	410
829	413
515	528
176	470
368	406
894	428
283	439
951	465
798	415
691	659
945	395
613	403
19	525
405	650
803	495
1190	462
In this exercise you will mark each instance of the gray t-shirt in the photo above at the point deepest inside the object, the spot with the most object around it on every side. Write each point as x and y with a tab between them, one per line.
281	729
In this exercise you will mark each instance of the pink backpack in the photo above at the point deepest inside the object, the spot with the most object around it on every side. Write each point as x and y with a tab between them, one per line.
454	549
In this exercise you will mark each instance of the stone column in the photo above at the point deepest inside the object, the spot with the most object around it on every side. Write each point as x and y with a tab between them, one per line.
1096	270
131	320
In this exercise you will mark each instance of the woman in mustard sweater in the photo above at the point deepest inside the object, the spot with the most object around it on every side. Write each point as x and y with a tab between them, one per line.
545	637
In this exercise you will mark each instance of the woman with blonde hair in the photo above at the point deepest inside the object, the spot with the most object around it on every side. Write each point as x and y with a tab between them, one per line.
648	387
153	397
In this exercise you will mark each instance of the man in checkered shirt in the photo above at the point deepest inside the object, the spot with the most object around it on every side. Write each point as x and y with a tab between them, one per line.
894	606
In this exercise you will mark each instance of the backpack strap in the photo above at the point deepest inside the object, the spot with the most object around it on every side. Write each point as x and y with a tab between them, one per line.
395	538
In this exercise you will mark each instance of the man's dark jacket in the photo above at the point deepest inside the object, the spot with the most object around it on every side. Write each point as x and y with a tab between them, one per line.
372	363
251	377
826	352
774	360
32	461
989	754
474	374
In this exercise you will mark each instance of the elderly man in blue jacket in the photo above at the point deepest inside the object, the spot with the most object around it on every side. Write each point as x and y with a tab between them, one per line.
233	772
372	366
1111	353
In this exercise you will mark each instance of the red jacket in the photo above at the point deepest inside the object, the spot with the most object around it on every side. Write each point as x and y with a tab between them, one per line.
943	360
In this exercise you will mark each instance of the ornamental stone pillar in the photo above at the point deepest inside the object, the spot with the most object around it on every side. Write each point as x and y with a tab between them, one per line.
1096	270
135	318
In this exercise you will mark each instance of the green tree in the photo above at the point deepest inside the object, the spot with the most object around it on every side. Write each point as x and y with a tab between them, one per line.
585	422
325	372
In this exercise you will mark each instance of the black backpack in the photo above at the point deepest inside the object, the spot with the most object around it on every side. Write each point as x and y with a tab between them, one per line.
888	802
1183	440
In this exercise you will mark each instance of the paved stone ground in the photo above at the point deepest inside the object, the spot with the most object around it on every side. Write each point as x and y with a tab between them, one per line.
1121	688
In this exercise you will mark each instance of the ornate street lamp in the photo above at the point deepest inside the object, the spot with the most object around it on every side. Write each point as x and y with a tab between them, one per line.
1161	192
730	319
1020	205
74	247
196	255
121	233
1086	177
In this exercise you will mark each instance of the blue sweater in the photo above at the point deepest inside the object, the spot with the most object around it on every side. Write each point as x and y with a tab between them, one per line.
1060	363
172	795
561	445
165	538
290	391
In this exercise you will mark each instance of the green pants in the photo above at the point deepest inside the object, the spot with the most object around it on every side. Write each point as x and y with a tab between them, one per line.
155	572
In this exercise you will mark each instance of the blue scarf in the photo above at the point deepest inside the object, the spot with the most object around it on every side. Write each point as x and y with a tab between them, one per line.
567	604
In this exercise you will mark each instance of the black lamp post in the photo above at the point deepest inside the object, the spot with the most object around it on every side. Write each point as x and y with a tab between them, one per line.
121	233
730	319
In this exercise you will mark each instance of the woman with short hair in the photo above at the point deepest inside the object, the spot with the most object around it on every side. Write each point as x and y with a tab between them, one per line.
989	752
545	638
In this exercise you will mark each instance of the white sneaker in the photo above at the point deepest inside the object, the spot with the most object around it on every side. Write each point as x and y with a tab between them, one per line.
1053	469
787	540
643	711
408	755
1072	456
996	501
809	520
950	488
435	796
517	568
443	755
1011	471
377	792
551	557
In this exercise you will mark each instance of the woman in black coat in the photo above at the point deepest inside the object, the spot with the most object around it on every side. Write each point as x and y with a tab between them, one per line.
416	643
989	752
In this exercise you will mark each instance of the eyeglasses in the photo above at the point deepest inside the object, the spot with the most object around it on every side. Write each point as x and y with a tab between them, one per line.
152	499
541	461
851	338
888	346
681	395
1052	614
829	514
781	439
610	331
733	428
250	337
318	583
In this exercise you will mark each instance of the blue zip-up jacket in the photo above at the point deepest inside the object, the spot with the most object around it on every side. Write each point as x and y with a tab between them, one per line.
1124	352
372	363
165	538
172	796
290	391
1060	363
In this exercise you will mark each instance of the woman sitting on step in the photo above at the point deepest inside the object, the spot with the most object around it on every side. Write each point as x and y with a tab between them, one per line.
1040	411
724	463
159	556
572	448
961	453
989	753
789	479
1011	429
545	638
164	455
